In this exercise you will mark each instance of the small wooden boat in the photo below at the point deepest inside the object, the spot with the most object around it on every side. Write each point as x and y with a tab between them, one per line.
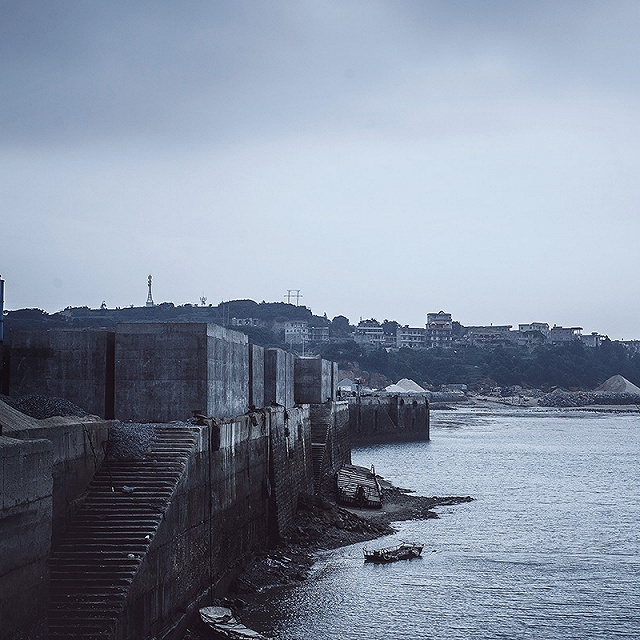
358	487
402	551
221	620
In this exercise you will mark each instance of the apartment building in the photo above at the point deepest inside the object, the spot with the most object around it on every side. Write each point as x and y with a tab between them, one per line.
438	330
369	332
559	335
411	337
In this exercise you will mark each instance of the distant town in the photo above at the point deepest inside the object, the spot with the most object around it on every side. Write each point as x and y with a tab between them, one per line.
442	331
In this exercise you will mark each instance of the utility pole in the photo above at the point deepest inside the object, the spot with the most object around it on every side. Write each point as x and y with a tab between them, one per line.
1	310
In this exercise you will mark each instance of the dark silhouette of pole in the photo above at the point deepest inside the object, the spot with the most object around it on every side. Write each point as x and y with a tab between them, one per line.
1	310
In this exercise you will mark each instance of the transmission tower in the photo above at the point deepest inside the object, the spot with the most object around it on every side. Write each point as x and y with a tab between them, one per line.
294	293
150	297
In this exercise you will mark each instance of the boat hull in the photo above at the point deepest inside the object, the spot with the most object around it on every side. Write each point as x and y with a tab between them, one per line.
404	551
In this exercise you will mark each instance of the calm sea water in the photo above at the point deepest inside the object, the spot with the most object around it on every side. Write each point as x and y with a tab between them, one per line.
549	549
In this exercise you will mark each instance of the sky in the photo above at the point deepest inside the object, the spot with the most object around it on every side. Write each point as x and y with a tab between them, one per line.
386	158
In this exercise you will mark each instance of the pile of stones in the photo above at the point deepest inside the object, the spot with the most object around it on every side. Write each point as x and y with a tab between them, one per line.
586	398
130	441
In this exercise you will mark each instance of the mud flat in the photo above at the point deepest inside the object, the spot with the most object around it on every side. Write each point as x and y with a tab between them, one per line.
321	525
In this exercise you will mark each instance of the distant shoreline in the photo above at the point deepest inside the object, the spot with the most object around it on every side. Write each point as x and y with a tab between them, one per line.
524	402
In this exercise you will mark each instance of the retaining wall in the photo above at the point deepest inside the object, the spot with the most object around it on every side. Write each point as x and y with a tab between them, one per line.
330	425
26	488
229	504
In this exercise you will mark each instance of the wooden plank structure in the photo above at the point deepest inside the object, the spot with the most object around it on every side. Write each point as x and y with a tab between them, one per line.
358	486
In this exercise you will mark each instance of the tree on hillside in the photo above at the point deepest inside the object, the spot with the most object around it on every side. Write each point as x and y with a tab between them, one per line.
390	327
340	327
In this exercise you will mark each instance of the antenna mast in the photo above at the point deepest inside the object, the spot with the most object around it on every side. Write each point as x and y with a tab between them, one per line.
150	297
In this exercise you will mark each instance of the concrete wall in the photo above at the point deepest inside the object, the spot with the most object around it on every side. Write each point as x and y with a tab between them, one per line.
26	488
386	418
229	504
77	452
75	364
228	372
291	464
166	371
314	380
279	377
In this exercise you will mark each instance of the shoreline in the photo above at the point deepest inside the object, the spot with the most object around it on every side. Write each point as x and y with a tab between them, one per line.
321	525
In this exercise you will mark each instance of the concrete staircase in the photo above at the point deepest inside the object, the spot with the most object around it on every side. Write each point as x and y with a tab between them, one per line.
94	564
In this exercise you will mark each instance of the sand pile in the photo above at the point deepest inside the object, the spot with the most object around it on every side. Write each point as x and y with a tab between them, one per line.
410	386
618	384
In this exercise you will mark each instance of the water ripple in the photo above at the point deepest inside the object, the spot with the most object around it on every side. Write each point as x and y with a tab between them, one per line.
547	551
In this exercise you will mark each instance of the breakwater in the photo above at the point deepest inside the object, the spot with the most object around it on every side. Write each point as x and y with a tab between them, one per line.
388	418
123	547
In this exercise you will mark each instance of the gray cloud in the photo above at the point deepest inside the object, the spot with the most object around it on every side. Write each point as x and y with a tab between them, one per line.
424	154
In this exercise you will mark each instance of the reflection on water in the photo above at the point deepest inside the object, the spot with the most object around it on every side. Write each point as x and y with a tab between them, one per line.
547	551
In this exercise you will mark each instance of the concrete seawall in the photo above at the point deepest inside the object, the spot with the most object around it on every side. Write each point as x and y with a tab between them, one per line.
270	431
388	418
229	503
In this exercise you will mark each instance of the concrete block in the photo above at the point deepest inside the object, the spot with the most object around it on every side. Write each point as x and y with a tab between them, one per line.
165	371
75	364
315	380
279	378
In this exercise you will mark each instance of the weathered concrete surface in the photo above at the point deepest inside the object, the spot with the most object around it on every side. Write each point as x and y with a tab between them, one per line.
77	451
26	488
331	443
167	371
279	378
386	418
315	380
231	501
256	376
75	364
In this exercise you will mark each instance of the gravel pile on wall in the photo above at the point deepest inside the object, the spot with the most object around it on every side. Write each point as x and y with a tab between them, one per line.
130	441
42	407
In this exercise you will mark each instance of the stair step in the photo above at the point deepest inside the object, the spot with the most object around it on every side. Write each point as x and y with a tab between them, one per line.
94	564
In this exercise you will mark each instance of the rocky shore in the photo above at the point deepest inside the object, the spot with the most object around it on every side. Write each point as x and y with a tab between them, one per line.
320	525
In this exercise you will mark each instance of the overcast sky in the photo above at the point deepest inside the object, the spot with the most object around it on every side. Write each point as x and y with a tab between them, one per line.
388	158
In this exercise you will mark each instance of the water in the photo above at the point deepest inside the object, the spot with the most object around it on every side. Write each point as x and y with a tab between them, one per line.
549	549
